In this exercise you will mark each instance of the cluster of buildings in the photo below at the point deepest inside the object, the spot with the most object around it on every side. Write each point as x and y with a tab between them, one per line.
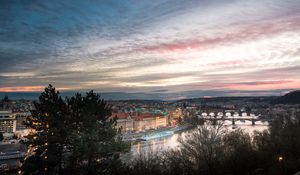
137	116
12	123
12	116
142	119
135	122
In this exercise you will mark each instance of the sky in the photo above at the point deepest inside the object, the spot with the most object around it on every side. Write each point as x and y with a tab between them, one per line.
193	48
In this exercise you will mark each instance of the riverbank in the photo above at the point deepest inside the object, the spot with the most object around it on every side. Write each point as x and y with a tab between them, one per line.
154	134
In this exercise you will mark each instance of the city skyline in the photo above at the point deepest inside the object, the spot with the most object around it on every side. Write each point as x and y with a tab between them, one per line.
196	48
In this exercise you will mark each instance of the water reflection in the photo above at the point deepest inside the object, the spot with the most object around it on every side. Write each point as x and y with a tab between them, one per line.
157	146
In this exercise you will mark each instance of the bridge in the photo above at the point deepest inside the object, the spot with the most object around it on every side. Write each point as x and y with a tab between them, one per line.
231	116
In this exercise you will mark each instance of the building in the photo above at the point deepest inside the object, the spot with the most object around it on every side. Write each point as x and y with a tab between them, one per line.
140	121
11	122
7	122
144	122
161	121
124	121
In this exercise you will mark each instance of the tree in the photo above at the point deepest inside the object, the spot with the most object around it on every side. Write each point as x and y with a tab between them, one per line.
1	136
5	99
203	149
72	136
282	140
5	102
239	153
94	139
148	164
45	145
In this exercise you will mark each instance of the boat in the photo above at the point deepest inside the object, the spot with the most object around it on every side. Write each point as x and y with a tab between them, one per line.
157	135
153	134
234	127
139	140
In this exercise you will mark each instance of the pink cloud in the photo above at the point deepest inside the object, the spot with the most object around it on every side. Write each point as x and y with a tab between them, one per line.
242	33
264	85
253	85
227	63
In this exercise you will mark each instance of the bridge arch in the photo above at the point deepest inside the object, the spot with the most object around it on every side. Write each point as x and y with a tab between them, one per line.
244	114
220	114
228	114
236	114
212	114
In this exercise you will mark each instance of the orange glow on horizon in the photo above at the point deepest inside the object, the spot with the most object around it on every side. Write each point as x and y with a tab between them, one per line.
26	89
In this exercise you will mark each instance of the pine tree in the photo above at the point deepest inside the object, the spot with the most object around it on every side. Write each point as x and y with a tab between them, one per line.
46	143
5	101
94	138
1	136
75	136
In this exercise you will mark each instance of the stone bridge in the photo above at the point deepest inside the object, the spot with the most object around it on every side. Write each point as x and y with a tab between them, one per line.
231	116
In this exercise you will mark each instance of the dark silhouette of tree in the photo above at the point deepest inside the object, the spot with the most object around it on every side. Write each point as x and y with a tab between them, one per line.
204	148
94	141
282	140
45	144
1	136
5	99
5	102
239	153
148	164
72	136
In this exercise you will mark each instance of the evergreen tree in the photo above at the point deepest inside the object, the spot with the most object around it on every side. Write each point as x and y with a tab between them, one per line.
45	144
94	141
5	99
1	136
75	136
4	102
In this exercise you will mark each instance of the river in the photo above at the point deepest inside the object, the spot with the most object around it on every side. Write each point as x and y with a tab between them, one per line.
156	146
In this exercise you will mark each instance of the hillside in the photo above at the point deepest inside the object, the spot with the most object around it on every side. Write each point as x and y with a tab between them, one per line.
289	98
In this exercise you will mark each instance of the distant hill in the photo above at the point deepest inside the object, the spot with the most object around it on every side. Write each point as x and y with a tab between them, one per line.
289	98
254	99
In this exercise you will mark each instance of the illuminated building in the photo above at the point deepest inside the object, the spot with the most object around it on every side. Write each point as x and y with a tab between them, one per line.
140	121
11	122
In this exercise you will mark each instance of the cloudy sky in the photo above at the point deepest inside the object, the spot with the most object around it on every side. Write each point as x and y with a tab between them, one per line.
230	47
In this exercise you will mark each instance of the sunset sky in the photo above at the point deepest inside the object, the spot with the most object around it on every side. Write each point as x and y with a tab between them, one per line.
225	47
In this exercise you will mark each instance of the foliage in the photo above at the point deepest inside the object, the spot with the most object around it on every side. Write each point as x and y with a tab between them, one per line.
147	164
282	139
72	136
239	153
5	99
94	142
204	148
45	145
1	136
4	102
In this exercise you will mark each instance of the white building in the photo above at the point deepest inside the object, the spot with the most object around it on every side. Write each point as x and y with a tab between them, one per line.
11	122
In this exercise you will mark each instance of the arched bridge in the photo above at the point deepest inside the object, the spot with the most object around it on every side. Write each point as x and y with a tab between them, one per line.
231	116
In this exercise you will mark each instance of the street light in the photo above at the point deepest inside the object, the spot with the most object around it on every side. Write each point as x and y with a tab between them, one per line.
280	158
